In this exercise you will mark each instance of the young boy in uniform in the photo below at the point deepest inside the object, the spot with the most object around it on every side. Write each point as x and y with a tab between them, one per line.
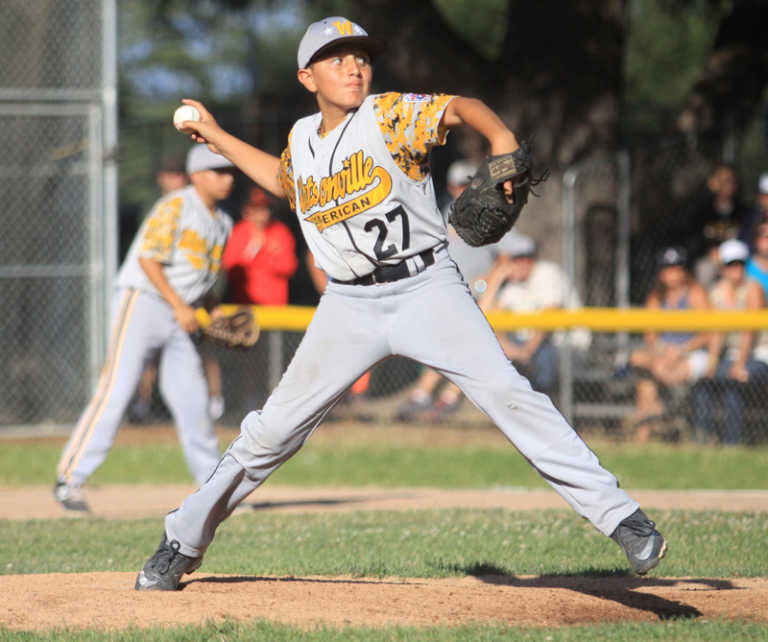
170	267
357	175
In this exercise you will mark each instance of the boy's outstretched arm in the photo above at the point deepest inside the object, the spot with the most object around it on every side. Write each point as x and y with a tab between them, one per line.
257	164
476	114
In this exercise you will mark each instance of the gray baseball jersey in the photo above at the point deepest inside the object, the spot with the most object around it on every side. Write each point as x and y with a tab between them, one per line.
181	233
188	239
364	197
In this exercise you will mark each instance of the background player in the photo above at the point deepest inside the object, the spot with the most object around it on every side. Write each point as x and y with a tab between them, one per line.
169	269
357	175
172	176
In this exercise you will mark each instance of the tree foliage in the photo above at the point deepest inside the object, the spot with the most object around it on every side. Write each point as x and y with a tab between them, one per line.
584	77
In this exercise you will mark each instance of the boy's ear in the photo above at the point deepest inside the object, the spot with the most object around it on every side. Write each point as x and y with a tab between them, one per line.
307	79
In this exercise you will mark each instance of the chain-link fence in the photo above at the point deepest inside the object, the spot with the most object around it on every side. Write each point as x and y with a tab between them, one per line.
704	410
59	251
57	207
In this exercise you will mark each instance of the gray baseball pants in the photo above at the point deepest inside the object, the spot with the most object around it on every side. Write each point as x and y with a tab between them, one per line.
142	325
432	318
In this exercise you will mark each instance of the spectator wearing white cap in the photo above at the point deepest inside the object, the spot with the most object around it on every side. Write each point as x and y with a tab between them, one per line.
735	358
522	282
668	362
518	281
473	262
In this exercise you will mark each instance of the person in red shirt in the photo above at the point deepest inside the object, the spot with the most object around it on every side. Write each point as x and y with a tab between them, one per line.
260	257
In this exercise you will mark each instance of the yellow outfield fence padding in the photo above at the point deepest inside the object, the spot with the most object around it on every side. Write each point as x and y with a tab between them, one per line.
297	318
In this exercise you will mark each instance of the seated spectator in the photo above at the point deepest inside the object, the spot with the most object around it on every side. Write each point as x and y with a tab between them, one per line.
757	265
669	359
260	257
518	281
758	213
735	358
525	283
473	263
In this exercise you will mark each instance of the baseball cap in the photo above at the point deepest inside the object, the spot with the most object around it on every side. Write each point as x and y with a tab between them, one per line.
460	172
762	183
514	245
672	256
200	158
733	250
328	32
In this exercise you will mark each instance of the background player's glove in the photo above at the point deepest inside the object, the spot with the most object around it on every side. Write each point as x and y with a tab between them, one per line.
237	328
482	214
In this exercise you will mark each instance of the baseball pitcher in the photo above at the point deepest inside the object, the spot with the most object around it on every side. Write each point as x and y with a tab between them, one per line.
357	175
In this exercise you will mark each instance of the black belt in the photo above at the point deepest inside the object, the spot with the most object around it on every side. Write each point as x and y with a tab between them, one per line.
389	273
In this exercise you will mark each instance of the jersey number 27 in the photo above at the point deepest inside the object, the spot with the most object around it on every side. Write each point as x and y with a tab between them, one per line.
381	227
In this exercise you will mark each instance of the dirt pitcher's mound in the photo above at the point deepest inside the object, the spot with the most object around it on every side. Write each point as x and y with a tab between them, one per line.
107	601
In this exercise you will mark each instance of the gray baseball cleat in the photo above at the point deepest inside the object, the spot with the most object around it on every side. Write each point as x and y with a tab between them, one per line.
70	497
164	569
643	545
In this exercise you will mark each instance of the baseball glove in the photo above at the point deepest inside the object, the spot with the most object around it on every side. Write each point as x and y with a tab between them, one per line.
232	327
482	214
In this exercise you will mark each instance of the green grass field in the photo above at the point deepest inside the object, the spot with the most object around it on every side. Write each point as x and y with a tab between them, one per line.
423	544
324	462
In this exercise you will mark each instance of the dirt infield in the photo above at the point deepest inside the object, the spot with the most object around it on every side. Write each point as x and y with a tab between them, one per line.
139	501
43	602
77	601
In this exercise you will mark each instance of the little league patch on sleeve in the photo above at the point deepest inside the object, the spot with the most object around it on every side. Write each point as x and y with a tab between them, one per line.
416	98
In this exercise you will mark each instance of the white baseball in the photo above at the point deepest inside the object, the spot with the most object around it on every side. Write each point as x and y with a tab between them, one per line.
185	112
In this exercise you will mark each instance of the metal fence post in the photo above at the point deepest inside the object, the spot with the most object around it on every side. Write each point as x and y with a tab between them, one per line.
619	166
275	359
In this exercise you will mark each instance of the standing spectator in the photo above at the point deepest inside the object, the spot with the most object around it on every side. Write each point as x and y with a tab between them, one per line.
735	358
718	218
260	258
169	270
668	358
758	214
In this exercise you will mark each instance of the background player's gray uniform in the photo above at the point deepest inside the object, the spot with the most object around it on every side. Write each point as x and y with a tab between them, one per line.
354	223
181	233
